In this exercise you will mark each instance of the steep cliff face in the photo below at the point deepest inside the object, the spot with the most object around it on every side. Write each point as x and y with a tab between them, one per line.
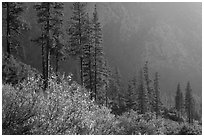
168	35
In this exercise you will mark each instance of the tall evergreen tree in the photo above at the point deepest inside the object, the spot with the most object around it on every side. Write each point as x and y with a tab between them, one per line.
98	55
179	100
77	33
48	14
189	103
150	93
157	94
58	49
142	95
88	70
129	96
14	24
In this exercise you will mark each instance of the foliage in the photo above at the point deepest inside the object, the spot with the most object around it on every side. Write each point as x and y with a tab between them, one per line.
132	123
63	108
188	129
14	71
13	24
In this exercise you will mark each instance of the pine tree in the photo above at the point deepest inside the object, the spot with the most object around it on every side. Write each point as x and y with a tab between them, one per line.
118	84
189	103
150	93
48	14
58	49
14	24
142	95
88	70
179	100
98	55
106	80
157	94
129	96
77	33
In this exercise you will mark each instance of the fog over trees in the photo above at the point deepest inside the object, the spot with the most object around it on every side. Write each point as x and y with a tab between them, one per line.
101	68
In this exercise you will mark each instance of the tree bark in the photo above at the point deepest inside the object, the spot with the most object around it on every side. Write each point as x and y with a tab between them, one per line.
81	70
95	78
47	48
8	49
90	76
57	60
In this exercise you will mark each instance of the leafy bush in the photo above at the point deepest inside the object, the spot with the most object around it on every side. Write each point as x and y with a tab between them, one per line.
14	72
190	129
170	127
65	108
62	109
132	123
18	108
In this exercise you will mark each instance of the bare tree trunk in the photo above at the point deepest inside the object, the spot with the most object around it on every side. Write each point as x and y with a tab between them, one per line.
90	73
56	65
81	70
8	49
95	79
43	60
47	48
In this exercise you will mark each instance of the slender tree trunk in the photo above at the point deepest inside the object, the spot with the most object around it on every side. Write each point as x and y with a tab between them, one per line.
47	48
43	60
106	96
8	49
56	65
95	78
81	70
90	73
80	43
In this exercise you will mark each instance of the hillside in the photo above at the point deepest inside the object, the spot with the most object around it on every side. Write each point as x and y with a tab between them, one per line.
168	35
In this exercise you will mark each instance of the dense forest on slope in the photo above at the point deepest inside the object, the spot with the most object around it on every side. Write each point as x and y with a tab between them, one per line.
101	68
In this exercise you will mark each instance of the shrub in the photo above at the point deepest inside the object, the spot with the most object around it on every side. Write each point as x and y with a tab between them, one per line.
14	72
190	129
64	108
132	123
170	127
18	108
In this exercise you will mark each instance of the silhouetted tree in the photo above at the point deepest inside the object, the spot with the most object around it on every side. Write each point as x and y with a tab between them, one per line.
157	94
58	49
49	17
150	93
77	33
88	68
179	100
14	24
130	96
142	95
99	60
189	103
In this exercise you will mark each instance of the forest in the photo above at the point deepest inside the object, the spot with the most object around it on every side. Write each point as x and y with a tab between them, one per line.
48	101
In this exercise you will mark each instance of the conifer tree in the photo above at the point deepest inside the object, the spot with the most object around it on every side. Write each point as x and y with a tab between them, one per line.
48	14
118	83
189	103
88	70
150	93
142	95
157	94
98	54
58	49
106	80
129	97
77	33
14	24
179	100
